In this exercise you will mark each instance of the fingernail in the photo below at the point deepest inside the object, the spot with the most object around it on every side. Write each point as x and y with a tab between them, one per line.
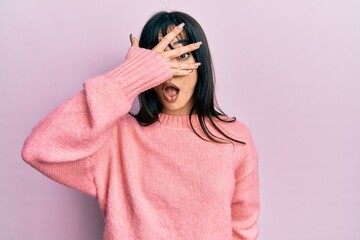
180	26
197	65
189	71
197	44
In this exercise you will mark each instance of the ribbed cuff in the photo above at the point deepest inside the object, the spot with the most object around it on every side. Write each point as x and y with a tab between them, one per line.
142	70
111	95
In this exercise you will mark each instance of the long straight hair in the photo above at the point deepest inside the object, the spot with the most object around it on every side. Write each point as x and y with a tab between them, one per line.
205	104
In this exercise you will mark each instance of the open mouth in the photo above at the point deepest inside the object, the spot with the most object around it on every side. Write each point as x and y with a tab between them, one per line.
170	91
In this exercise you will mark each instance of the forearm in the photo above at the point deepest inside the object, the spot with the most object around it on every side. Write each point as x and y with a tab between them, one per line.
79	126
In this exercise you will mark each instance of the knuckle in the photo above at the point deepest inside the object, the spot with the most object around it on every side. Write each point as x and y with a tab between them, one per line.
178	51
189	49
166	54
192	47
168	38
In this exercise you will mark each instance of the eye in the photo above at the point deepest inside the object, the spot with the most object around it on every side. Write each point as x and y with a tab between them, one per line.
184	56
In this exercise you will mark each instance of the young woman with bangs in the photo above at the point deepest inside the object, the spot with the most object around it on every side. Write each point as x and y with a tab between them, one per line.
180	168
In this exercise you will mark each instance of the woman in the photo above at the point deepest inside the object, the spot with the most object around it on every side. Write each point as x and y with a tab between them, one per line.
179	168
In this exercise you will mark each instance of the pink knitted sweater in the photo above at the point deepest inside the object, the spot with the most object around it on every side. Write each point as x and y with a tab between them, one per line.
152	182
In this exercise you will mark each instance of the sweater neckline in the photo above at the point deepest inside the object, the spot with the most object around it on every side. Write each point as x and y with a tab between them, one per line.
178	121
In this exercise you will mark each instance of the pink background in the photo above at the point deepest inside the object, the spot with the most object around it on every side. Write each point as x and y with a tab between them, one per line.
289	69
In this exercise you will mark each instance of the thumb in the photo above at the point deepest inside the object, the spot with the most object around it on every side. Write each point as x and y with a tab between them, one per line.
134	42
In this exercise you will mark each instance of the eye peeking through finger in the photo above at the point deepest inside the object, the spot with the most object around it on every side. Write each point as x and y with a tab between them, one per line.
184	56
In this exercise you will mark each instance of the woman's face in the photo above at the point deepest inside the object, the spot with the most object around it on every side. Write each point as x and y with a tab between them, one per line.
176	94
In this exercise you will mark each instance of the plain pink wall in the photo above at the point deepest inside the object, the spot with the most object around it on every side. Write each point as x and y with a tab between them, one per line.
289	69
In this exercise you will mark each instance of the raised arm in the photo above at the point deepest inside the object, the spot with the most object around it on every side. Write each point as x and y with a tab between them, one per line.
61	144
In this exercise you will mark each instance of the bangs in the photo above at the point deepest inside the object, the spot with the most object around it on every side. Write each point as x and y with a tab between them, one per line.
157	28
182	37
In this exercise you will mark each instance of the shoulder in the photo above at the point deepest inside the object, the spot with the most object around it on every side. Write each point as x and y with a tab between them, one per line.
237	129
128	121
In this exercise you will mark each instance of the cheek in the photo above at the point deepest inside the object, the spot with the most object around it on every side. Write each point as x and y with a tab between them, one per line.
192	80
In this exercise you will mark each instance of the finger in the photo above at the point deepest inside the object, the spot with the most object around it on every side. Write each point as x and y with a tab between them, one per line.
165	41
179	72
134	42
182	50
183	66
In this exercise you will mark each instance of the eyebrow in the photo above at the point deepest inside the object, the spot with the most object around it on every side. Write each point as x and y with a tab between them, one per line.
181	41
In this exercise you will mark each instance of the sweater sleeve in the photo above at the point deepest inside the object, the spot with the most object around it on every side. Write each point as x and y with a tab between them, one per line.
245	203
62	143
